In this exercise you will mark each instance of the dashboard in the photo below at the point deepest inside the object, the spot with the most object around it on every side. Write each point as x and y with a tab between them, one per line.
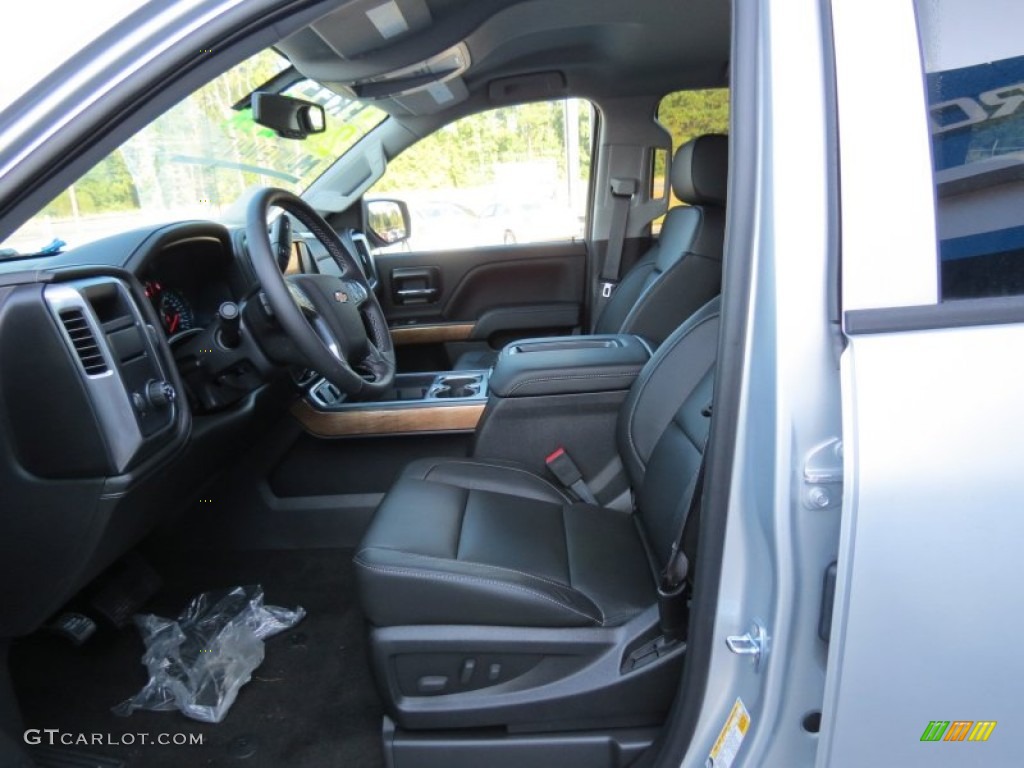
119	399
186	282
133	368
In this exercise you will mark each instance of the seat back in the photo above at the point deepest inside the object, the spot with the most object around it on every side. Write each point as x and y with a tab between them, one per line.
683	270
663	426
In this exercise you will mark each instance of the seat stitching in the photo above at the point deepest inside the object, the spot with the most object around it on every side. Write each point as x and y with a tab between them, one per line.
474	579
568	564
616	617
548	483
552	582
462	523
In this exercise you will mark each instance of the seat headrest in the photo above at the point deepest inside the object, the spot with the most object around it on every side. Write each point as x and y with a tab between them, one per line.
700	170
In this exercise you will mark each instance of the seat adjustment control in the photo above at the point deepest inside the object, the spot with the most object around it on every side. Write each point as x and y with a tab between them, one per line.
432	683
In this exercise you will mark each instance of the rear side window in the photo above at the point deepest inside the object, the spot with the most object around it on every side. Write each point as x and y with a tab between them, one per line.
974	69
687	115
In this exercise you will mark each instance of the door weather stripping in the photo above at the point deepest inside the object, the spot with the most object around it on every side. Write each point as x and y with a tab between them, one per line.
823	476
753	644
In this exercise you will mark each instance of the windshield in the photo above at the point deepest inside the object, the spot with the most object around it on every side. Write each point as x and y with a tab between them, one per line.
200	159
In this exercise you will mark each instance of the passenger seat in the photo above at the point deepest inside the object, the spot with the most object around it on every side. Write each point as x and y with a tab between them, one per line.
683	270
489	589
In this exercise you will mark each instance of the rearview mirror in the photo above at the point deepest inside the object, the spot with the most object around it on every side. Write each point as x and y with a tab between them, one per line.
292	118
387	221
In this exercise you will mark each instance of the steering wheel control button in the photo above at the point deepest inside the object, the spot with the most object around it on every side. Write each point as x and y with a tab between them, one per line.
160	394
352	292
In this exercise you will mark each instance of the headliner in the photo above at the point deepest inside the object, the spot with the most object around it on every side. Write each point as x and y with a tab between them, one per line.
594	49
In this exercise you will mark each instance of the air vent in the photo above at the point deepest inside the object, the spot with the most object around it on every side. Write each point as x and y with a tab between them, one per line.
85	342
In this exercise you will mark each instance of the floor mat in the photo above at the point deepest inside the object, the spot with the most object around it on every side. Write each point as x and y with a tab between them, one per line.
311	702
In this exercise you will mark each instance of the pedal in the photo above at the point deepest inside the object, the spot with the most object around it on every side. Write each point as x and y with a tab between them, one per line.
76	628
124	590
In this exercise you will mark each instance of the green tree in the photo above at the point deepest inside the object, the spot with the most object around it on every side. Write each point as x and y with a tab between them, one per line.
686	115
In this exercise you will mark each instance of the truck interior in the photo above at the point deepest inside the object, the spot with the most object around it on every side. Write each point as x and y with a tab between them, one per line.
477	465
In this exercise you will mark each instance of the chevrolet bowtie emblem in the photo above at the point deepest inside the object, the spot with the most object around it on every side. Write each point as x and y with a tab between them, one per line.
341	297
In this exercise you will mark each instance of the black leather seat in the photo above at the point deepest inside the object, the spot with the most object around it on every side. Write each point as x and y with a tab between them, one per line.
682	270
477	542
486	543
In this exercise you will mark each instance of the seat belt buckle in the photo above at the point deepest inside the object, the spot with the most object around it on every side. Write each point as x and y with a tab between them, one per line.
606	289
568	474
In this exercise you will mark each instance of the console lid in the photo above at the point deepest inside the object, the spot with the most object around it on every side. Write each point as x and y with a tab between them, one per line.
568	365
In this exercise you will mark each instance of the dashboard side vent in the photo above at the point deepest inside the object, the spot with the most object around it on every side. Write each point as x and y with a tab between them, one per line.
85	342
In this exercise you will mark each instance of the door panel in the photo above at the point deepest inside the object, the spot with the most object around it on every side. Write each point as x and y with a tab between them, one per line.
479	296
931	532
926	596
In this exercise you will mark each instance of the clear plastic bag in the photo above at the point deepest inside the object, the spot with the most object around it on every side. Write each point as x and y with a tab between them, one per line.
198	662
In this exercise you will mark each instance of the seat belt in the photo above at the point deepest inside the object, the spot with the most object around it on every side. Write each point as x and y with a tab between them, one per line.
673	612
561	465
622	196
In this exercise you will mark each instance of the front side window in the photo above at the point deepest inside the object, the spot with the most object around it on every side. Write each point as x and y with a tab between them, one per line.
509	175
974	71
200	159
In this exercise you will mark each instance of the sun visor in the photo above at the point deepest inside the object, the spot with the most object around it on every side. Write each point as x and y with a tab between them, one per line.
367	25
347	179
422	76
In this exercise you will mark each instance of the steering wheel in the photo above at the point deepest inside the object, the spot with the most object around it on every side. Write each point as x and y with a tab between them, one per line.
336	322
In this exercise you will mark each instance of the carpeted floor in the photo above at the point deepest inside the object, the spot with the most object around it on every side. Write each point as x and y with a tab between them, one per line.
311	702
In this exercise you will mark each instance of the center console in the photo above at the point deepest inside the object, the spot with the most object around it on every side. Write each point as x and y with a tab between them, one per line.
563	392
541	395
452	401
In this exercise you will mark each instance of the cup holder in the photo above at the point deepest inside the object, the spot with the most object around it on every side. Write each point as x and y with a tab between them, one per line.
456	387
463	390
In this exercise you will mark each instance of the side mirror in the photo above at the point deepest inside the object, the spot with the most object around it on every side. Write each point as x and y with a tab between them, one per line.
292	118
387	221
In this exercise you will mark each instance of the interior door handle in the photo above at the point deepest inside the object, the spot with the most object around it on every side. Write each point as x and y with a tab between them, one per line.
417	293
415	285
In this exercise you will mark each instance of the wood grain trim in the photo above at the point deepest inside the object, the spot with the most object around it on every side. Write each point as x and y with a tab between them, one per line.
387	421
431	334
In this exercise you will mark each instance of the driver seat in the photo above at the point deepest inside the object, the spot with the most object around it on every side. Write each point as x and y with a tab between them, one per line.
489	588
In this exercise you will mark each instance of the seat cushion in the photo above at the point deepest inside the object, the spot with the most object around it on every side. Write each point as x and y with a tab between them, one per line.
472	542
